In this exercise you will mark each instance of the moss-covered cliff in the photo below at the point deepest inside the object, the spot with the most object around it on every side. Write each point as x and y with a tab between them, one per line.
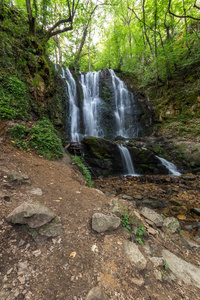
29	85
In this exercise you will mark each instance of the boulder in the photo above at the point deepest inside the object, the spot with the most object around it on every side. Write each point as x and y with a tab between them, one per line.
101	222
171	224
33	214
117	208
134	255
183	270
52	228
152	216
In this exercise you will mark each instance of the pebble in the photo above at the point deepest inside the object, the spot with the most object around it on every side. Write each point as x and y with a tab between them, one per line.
21	243
9	271
138	282
21	279
36	252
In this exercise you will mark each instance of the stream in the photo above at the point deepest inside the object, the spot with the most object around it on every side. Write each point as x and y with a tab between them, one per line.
176	196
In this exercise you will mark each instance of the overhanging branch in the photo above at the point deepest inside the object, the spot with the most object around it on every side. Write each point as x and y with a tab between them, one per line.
182	17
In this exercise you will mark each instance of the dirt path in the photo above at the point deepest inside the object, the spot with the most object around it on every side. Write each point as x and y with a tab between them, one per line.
67	267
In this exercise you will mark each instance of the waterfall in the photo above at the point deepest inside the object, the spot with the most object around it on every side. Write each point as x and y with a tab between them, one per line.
126	160
116	115
170	166
91	104
126	122
74	111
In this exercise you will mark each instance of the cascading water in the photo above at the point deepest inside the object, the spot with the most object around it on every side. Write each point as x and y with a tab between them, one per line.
126	160
91	104
127	124
74	111
170	166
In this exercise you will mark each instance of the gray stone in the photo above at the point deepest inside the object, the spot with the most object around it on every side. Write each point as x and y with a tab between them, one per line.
95	294
152	216
36	191
126	197
158	261
19	177
33	214
171	224
117	208
52	228
158	275
197	239
183	270
188	177
101	222
138	282
134	255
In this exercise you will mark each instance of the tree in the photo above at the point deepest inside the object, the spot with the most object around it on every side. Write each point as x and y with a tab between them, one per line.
61	19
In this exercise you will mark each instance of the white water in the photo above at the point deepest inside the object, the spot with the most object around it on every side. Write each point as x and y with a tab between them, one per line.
73	107
170	166
126	160
91	104
126	126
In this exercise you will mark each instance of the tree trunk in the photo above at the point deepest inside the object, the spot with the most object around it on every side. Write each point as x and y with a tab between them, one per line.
31	19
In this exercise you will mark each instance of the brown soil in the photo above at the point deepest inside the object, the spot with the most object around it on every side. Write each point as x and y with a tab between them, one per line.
65	267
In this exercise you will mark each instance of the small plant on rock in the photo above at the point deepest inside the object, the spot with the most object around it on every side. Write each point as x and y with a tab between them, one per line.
78	160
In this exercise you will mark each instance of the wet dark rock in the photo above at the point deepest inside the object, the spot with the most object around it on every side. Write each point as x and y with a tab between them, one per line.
173	202
188	177
152	204
102	156
196	211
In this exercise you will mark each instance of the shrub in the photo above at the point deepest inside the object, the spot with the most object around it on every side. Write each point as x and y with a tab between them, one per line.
42	138
78	160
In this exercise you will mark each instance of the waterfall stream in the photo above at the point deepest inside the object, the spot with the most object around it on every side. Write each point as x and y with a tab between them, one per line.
170	166
127	125
91	104
74	111
127	161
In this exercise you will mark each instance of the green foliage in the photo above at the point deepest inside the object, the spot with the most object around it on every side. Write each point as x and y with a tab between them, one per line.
20	133
166	266
42	138
14	102
78	160
126	222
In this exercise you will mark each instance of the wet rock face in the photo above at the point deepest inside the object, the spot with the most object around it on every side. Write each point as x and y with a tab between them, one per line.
103	156
134	111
